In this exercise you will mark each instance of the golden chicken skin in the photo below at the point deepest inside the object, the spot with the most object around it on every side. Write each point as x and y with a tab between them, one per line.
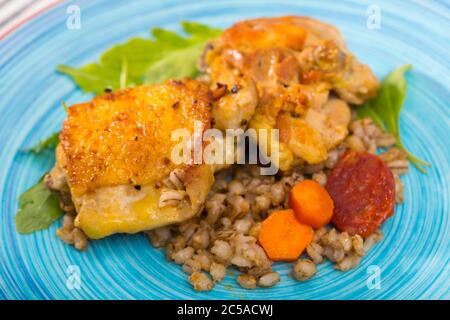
114	168
301	76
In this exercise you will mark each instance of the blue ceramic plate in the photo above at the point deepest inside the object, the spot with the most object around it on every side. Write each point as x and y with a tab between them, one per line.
413	258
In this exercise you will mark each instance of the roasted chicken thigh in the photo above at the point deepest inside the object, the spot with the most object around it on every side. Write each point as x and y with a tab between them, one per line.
301	76
114	167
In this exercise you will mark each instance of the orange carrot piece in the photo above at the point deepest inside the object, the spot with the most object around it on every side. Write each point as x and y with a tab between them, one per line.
283	237
311	203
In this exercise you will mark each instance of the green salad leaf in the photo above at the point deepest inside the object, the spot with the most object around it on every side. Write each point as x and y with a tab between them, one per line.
386	107
38	209
176	64
48	143
139	61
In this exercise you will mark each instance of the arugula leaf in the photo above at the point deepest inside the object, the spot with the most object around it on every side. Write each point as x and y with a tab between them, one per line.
138	61
93	77
38	209
200	30
386	107
49	143
176	64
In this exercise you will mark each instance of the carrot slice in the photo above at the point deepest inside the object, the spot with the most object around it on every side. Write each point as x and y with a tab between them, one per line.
283	237
311	203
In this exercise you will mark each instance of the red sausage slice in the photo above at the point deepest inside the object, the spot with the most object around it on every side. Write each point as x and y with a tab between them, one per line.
363	190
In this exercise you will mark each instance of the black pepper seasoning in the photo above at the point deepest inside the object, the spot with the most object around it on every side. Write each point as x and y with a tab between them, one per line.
235	89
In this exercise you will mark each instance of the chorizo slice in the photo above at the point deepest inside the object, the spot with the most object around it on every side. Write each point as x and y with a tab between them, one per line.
363	191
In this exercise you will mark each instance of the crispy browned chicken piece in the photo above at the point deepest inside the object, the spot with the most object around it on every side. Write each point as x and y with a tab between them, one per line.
114	158
294	63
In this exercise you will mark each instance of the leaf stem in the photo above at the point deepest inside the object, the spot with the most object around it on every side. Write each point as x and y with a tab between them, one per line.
418	163
123	73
